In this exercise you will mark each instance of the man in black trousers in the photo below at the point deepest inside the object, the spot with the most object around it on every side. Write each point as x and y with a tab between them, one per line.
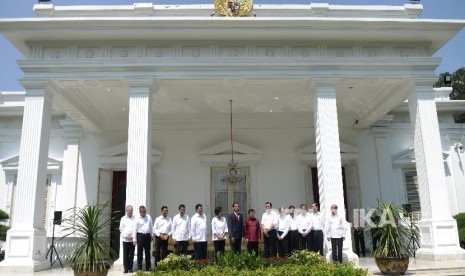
236	228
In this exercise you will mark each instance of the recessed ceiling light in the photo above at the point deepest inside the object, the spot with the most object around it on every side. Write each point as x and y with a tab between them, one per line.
276	98
124	108
271	110
108	89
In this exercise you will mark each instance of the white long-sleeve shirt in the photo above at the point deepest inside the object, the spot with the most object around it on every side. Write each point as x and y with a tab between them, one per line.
199	228
143	225
283	226
304	223
181	228
292	222
317	221
334	227
126	227
219	226
162	225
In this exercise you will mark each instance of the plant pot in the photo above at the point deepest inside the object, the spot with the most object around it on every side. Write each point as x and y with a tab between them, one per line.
91	273
392	265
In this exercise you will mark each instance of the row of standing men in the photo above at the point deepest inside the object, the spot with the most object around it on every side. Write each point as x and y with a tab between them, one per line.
282	233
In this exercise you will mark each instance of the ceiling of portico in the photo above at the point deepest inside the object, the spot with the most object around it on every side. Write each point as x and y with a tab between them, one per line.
103	104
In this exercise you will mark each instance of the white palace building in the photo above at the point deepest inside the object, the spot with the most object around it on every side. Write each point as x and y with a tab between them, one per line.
131	104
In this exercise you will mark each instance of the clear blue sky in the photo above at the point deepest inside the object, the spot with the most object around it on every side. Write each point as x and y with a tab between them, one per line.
453	53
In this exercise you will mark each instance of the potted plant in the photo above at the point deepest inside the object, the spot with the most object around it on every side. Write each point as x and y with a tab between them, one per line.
91	253
398	234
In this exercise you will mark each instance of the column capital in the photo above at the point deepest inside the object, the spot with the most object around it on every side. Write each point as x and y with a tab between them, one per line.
325	83
379	133
34	84
425	81
71	129
141	86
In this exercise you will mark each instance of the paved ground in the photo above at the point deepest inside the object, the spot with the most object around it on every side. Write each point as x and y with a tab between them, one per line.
416	267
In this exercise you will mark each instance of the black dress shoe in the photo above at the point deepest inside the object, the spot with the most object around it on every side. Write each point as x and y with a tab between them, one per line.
130	270
125	271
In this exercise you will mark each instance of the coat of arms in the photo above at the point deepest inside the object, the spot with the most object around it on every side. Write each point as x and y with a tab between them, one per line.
233	7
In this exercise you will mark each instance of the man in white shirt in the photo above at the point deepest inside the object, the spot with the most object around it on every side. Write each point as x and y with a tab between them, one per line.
283	229
126	227
304	225
162	232
316	234
181	230
335	231
269	223
293	234
199	233
142	237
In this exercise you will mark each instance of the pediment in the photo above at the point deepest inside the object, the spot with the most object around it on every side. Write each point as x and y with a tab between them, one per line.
116	157
406	158
221	153
307	154
12	163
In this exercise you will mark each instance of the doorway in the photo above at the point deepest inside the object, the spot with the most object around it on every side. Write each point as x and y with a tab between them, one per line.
118	201
315	189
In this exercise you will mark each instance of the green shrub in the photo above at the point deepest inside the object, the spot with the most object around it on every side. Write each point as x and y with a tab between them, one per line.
304	257
288	269
175	262
3	228
460	220
239	261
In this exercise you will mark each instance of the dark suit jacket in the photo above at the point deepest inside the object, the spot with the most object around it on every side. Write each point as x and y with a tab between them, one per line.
235	226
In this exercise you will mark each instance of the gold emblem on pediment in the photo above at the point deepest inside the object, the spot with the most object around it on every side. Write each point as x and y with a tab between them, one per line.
233	7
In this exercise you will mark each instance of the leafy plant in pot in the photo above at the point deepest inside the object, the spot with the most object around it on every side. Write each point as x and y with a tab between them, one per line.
398	234
91	253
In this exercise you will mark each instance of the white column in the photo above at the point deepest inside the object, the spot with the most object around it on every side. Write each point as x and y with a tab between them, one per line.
139	148
456	160
328	154
439	237
138	177
26	240
67	192
9	177
389	191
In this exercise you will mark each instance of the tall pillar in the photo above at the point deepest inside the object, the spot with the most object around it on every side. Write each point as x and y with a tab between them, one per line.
71	159
439	237
139	147
26	240
386	178
328	155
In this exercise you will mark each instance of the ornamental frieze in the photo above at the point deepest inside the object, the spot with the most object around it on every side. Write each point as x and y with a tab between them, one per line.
217	51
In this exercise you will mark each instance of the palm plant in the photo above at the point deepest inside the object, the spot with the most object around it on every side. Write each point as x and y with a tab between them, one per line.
91	252
398	232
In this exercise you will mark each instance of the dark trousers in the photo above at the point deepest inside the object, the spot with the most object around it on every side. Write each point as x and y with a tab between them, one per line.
181	247
359	240
161	249
336	248
236	246
200	250
305	242
270	249
293	239
282	245
316	241
143	245
252	247
219	247
128	255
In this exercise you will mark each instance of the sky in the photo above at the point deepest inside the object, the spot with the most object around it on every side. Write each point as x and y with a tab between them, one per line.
452	53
